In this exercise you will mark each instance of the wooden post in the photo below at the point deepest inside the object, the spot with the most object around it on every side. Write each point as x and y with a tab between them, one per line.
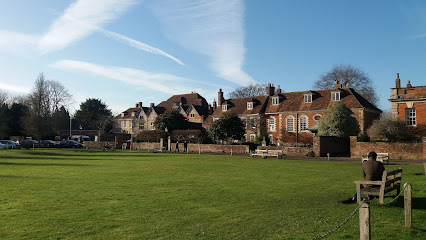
231	151
364	221
407	205
199	150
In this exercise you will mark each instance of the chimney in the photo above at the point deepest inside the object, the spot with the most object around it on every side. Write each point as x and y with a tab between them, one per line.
220	98
398	81
137	105
151	105
270	90
278	90
409	84
214	104
337	85
140	104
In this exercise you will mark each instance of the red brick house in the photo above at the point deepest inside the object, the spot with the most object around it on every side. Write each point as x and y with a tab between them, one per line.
294	116
408	103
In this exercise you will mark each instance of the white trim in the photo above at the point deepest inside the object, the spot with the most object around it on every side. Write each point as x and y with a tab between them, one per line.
287	121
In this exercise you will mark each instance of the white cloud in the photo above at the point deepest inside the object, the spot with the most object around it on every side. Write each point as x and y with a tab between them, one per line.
17	43
89	13
210	27
160	82
14	88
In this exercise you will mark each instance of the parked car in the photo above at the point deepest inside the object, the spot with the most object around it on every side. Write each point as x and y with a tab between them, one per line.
81	138
29	143
48	144
70	144
2	146
10	144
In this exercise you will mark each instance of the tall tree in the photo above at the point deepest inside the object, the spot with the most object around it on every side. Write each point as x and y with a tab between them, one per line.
4	119
338	121
229	126
17	113
92	111
251	90
59	96
348	76
4	96
61	118
172	120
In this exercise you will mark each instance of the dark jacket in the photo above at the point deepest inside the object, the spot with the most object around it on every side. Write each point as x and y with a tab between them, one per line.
373	170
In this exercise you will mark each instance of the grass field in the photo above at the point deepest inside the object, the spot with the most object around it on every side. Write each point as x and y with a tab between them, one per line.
88	194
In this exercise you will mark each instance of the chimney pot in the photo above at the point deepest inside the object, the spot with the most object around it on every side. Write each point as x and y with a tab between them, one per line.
151	105
140	104
409	84
397	81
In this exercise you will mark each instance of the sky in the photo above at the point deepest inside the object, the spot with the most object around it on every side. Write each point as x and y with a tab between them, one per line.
129	51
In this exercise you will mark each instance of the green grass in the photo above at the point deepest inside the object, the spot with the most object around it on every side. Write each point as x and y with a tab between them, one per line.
87	194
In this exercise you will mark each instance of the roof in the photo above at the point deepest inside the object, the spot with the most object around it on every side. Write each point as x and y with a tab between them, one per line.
127	114
321	100
208	120
186	100
239	106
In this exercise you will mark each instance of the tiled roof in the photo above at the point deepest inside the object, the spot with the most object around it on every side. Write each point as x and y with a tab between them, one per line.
239	106
321	100
208	120
127	114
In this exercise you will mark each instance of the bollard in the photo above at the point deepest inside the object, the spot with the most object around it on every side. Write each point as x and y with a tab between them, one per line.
407	205
199	150
328	156
231	151
364	221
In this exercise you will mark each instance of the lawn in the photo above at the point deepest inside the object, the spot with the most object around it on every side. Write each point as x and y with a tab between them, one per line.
88	194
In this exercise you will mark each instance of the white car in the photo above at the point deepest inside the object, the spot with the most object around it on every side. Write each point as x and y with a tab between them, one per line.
9	144
2	146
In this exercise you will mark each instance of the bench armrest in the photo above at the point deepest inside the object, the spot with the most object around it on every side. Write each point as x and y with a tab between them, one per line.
368	182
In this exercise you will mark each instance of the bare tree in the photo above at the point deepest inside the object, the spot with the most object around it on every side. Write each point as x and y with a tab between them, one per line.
251	90
348	76
4	97
59	96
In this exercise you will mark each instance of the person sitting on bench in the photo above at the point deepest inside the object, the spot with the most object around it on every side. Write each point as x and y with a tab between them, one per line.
372	170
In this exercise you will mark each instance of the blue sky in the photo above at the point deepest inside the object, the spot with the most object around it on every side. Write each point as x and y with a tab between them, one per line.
127	51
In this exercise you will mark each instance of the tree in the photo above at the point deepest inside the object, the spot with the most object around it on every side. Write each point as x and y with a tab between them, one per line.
91	112
229	126
17	113
251	90
4	96
389	130
348	76
61	118
171	120
338	121
58	95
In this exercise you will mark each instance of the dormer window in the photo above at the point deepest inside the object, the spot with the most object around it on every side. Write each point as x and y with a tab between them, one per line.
192	115
133	114
308	98
335	96
249	105
275	101
122	114
224	108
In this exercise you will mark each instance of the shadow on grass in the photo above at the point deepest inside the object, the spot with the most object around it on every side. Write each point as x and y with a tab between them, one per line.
19	177
44	164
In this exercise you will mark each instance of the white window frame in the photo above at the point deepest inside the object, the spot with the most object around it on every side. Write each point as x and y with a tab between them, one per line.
275	101
124	124
249	105
245	137
272	124
290	127
410	117
308	98
224	108
303	125
335	96
141	125
271	138
252	137
152	126
130	124
133	114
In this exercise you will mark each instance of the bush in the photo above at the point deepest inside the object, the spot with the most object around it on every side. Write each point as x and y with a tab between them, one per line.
338	121
150	136
388	130
363	137
310	154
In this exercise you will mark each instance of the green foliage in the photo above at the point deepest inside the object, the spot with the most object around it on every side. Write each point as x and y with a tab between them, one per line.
363	137
389	130
172	120
150	136
338	121
189	135
263	135
229	126
92	113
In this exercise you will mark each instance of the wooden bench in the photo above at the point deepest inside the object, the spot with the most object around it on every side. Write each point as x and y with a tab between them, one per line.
267	153
390	181
381	157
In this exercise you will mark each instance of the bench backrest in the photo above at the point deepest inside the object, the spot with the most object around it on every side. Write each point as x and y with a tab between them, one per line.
392	178
261	151
275	151
382	154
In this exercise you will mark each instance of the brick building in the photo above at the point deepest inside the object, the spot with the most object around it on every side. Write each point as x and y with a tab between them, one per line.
408	103
294	116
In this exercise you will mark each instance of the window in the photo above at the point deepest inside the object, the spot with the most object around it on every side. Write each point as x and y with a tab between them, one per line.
252	124
122	114
252	137
308	98
130	124
335	96
275	101
410	116
303	123
271	124
249	105
317	117
152	126
192	115
207	129
133	114
124	124
271	139
224	107
141	126
245	137
141	117
290	124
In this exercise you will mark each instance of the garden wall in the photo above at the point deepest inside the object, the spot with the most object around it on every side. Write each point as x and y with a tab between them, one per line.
290	151
333	145
399	151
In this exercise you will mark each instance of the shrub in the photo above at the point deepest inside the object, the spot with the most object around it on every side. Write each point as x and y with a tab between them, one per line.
338	121
389	130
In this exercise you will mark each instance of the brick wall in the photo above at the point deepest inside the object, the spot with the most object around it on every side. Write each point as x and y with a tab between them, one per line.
216	148
399	151
290	151
333	145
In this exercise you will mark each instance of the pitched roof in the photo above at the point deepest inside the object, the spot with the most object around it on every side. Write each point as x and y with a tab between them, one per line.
239	106
186	100
321	100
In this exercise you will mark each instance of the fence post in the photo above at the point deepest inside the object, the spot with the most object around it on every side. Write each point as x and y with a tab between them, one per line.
199	150
407	205
364	221
231	150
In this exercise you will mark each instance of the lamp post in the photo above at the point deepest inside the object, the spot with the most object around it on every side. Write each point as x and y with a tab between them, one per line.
70	126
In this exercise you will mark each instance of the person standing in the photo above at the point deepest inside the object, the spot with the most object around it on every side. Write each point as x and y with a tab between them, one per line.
185	147
177	146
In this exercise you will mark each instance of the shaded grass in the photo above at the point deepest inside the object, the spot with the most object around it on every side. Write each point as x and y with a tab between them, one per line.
88	194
